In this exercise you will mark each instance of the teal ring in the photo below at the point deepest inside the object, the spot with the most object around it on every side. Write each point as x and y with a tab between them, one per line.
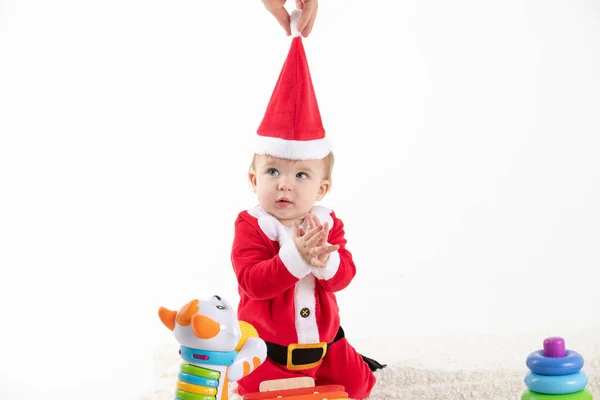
197	380
557	384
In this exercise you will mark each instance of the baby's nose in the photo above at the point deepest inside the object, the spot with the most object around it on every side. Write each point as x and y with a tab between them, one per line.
285	184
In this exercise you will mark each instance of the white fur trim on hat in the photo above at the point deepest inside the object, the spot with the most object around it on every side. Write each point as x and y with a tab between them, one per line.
293	149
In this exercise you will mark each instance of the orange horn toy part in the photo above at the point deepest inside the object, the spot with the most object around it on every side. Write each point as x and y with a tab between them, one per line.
167	317
204	327
184	318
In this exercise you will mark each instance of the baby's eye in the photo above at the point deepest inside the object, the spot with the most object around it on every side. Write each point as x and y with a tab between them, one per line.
272	172
302	175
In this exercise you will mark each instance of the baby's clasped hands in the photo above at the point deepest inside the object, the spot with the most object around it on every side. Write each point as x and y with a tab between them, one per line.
312	244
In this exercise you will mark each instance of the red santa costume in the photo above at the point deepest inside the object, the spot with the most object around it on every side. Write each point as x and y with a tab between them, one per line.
290	303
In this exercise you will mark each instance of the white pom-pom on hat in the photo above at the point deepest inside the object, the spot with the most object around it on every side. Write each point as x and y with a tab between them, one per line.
294	19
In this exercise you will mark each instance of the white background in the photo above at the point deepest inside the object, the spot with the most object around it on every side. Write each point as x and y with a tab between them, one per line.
466	136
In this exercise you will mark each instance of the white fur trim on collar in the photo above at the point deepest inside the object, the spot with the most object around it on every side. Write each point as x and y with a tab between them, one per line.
276	231
288	252
323	214
267	223
293	149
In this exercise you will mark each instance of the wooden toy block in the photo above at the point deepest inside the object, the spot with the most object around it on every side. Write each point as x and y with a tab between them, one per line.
284	384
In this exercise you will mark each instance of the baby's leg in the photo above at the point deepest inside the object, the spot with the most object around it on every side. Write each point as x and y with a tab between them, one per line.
344	366
267	371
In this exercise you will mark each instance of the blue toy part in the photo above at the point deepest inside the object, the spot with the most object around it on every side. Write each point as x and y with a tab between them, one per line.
197	356
197	380
540	365
557	384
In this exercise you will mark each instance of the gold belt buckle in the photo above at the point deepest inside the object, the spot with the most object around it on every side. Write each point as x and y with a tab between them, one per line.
294	346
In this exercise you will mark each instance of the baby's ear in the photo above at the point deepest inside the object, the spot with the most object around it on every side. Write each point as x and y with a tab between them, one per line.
323	189
252	179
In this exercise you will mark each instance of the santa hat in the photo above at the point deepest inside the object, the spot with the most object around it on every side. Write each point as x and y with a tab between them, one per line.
292	127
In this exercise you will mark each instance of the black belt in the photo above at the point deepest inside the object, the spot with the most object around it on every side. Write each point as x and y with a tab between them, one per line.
300	356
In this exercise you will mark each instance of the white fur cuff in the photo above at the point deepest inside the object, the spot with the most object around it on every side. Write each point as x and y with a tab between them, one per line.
293	260
331	267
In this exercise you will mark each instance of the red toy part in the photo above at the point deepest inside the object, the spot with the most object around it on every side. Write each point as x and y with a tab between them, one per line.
296	394
311	396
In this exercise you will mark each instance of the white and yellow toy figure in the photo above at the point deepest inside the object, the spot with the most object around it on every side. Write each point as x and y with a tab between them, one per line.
215	347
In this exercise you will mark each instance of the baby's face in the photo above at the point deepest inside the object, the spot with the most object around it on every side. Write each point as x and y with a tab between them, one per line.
288	189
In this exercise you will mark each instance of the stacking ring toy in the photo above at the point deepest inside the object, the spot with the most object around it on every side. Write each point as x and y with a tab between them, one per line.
180	394
558	384
186	387
555	359
197	380
199	371
582	395
542	365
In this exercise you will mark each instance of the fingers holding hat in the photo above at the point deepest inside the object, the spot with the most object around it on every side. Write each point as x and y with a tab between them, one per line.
277	9
308	17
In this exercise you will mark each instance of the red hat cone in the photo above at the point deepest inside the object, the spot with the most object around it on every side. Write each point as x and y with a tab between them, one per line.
291	127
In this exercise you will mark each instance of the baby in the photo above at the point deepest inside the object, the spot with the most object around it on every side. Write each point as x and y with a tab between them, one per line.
289	255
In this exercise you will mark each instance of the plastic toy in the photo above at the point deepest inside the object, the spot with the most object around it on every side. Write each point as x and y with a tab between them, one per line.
555	373
302	388
215	347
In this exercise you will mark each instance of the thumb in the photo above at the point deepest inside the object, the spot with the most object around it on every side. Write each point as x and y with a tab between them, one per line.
309	11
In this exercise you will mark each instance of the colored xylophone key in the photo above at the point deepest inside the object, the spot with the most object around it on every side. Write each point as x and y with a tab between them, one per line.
329	392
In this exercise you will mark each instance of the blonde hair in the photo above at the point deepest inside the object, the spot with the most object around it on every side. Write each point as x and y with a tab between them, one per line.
329	160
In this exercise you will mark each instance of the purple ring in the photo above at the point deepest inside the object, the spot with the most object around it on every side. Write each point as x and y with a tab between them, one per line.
554	366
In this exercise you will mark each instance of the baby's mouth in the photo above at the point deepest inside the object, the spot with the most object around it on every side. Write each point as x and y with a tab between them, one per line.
284	202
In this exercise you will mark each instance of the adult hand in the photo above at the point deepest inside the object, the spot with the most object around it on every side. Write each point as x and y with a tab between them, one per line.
307	19
309	14
276	7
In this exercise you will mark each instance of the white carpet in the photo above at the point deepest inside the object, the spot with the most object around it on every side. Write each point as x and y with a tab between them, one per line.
484	367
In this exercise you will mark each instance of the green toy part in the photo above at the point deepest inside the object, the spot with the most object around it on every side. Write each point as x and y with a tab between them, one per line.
191	396
199	371
584	394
